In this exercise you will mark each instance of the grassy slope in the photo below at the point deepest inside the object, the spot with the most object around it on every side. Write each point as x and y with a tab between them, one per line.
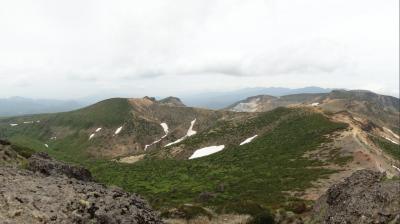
260	171
388	146
109	113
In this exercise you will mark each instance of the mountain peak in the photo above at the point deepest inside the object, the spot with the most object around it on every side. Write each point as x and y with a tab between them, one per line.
172	101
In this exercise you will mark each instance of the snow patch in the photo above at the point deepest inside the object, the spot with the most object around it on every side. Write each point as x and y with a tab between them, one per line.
396	168
248	140
53	138
45	145
206	151
390	140
118	130
314	104
165	128
98	129
91	136
13	125
189	133
175	142
391	132
28	122
38	121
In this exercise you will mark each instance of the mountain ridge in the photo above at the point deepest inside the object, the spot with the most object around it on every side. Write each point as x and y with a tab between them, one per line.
252	158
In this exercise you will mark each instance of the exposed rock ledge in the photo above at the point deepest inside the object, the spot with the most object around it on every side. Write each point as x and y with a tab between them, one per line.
364	197
51	196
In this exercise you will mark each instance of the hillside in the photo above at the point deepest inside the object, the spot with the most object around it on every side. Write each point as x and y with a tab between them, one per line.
110	128
218	162
222	99
382	110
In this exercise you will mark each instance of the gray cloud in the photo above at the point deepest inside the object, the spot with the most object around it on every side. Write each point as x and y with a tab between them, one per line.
186	45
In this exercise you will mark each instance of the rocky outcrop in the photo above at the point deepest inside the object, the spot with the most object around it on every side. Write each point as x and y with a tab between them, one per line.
27	197
41	162
172	101
55	192
365	197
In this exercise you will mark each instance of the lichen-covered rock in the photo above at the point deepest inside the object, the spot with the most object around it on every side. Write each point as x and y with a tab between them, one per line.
364	197
41	162
28	197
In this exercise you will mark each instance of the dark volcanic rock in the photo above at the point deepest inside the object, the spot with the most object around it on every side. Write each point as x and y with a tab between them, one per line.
41	162
364	197
27	197
60	193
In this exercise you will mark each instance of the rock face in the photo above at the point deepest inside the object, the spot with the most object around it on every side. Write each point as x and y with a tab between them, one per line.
364	197
41	162
59	193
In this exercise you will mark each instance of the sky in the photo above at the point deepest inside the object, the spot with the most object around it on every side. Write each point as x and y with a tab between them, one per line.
68	49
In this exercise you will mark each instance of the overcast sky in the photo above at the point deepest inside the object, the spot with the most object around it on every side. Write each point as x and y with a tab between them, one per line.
76	48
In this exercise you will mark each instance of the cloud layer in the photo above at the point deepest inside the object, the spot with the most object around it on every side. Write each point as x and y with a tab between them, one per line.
73	48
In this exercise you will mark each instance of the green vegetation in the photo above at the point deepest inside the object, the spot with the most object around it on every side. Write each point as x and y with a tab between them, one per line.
387	146
242	179
107	113
258	173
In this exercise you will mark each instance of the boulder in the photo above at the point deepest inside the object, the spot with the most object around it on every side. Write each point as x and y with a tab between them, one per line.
41	162
364	197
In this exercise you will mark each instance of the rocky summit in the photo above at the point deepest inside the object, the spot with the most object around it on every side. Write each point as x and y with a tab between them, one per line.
53	192
364	197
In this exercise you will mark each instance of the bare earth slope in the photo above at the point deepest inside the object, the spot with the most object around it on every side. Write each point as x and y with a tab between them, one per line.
383	110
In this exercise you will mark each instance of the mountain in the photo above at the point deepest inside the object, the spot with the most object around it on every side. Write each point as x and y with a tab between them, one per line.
15	106
219	100
383	110
189	162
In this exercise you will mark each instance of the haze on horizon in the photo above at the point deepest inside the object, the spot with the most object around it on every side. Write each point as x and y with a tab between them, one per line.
69	49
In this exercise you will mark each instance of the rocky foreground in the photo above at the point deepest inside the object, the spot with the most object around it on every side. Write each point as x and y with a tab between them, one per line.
53	192
364	197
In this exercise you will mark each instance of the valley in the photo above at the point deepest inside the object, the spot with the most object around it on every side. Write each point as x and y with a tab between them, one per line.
260	154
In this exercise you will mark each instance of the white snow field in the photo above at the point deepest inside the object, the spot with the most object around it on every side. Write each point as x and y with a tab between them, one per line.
13	125
98	129
206	151
248	140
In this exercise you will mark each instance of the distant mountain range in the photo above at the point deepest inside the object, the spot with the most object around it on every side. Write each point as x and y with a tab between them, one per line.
260	153
14	106
219	100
